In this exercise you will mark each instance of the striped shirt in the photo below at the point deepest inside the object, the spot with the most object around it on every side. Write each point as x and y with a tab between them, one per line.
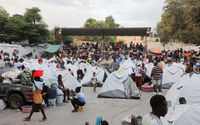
156	72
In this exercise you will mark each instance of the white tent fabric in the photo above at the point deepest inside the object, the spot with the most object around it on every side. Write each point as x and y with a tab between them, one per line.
187	87
119	85
51	73
190	116
128	65
173	94
9	48
2	105
73	68
100	72
149	68
11	74
171	74
178	111
69	81
191	90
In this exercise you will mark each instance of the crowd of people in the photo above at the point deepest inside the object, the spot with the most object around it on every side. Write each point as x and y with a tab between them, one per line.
115	54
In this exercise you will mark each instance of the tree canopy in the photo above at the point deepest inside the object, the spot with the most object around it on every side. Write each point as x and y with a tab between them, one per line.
93	23
23	27
180	21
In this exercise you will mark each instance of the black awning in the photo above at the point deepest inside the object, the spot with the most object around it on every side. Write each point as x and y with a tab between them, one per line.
144	31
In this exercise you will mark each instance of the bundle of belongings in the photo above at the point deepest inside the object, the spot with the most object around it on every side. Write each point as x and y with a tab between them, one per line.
15	76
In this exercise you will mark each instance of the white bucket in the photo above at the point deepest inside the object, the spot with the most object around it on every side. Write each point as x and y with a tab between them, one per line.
59	99
52	102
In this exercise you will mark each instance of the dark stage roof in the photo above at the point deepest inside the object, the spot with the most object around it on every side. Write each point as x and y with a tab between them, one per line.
143	31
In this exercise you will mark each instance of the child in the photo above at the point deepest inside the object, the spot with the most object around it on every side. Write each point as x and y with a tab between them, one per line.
94	81
37	97
182	100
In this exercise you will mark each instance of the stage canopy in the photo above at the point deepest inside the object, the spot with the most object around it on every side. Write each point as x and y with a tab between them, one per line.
142	31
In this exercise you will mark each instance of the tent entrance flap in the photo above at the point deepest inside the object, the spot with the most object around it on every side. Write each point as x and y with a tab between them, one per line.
53	48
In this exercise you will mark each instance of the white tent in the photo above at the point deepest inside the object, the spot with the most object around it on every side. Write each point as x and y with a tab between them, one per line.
191	90
69	81
119	85
190	116
171	74
149	69
2	105
187	87
177	112
128	66
100	74
73	68
51	73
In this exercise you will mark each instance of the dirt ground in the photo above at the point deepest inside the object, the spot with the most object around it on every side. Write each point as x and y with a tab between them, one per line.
112	110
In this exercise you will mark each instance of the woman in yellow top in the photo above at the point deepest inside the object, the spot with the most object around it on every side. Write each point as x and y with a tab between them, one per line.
37	98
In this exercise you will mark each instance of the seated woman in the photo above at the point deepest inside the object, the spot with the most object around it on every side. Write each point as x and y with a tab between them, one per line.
78	99
62	87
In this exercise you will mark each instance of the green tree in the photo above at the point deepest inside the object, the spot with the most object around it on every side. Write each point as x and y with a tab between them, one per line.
51	37
111	22
180	21
15	28
4	16
37	31
108	23
68	40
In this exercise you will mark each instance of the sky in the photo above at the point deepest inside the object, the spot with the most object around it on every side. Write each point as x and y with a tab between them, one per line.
73	13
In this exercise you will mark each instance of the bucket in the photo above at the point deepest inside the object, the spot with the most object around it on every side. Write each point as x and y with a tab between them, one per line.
59	99
52	103
147	88
52	92
26	108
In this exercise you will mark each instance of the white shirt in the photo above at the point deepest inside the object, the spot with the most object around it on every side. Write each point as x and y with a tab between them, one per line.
137	71
151	119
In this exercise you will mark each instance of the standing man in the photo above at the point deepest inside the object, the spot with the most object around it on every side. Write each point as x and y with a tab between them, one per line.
156	74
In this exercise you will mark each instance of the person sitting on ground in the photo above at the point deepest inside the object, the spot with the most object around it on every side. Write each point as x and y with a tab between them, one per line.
182	100
159	108
37	98
62	87
78	99
94	81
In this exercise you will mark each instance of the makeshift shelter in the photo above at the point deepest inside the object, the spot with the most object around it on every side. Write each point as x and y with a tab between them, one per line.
101	75
119	85
190	116
2	105
191	90
53	48
171	74
128	66
68	80
188	87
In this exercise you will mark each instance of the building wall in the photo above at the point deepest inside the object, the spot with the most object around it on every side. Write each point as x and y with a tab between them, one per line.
128	39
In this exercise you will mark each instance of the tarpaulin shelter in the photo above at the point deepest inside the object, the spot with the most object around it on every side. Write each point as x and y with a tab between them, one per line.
119	85
53	48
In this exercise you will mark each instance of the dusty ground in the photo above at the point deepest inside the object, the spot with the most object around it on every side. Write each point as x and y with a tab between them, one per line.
112	110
